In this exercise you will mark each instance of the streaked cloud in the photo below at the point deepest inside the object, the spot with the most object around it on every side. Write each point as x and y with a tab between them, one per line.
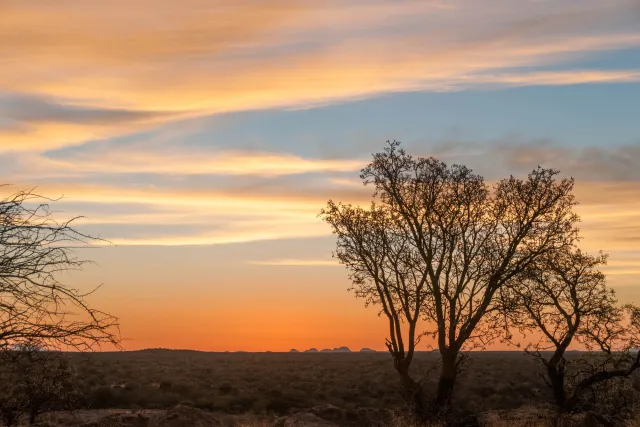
183	162
298	262
130	66
603	165
255	233
24	109
551	78
30	122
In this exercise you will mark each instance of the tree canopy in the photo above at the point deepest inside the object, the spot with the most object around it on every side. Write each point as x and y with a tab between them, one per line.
439	243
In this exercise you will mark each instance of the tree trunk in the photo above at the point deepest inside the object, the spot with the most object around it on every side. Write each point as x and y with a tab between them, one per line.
556	378
10	418
414	393
447	380
33	417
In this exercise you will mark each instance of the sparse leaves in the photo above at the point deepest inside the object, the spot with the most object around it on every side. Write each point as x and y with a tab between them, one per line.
439	244
563	297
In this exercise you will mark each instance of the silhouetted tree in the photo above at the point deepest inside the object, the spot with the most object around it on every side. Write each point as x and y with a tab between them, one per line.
438	243
386	272
564	298
36	381
12	395
34	305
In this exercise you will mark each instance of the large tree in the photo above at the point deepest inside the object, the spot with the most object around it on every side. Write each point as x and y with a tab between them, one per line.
35	249
438	243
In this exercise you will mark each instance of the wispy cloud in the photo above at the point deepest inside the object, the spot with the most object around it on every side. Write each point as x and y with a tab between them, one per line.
31	122
185	162
130	64
606	164
551	78
297	262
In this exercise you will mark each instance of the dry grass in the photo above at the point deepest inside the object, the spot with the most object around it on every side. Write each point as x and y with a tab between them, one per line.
251	389
238	383
527	416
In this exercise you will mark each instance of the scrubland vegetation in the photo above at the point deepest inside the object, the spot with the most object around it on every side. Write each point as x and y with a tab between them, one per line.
259	387
275	383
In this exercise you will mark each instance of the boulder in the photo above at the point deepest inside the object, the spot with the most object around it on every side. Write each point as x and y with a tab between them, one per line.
329	413
535	417
305	419
120	420
186	416
361	417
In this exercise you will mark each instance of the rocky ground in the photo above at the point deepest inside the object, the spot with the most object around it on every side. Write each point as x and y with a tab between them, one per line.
321	416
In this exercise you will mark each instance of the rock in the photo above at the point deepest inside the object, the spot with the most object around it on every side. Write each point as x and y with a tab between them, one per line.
370	417
279	422
328	413
120	420
529	416
361	417
44	424
185	416
306	419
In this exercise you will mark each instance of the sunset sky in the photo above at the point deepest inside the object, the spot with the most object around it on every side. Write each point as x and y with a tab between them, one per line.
203	137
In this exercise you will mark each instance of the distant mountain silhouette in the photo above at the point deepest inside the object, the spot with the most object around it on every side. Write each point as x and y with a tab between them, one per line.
324	350
336	350
367	350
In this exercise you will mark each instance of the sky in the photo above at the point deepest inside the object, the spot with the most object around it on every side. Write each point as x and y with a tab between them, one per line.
202	138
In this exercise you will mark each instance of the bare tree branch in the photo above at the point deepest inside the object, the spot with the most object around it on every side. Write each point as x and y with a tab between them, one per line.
34	305
563	297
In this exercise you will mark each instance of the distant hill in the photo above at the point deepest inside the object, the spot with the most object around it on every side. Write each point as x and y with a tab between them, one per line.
327	350
293	350
336	350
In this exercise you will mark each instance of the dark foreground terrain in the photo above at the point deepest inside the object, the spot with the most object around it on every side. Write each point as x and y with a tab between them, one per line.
237	383
166	388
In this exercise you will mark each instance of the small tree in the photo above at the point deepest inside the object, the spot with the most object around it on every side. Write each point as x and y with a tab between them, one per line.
564	298
34	305
440	244
37	381
12	392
